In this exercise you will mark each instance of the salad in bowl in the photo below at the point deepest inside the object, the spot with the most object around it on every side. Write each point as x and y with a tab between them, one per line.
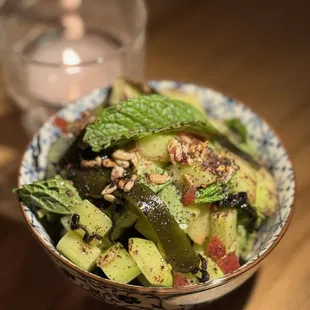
147	189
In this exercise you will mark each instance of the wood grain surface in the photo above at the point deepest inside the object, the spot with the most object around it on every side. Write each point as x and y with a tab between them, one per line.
255	51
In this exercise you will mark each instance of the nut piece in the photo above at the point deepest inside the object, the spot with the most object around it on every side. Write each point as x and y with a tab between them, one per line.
188	180
117	172
89	163
175	150
123	163
109	189
130	184
104	260
158	178
108	163
109	197
122	155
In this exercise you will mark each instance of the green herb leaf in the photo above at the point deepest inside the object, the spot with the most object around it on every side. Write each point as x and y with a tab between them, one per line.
54	195
139	117
238	128
145	115
214	192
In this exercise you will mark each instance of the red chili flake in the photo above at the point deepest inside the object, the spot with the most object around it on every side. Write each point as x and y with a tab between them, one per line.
61	123
229	263
189	196
180	281
216	248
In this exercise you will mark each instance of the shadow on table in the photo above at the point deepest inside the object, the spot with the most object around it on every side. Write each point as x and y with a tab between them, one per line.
235	300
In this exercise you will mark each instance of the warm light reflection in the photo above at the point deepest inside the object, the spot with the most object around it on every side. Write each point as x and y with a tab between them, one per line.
71	58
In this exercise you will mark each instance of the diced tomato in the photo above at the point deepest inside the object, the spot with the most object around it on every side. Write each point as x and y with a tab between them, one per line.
61	123
216	249
229	263
180	281
189	197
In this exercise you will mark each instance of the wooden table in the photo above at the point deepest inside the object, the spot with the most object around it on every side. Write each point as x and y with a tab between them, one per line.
259	54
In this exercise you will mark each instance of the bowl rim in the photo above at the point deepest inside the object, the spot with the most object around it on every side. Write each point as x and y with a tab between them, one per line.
162	290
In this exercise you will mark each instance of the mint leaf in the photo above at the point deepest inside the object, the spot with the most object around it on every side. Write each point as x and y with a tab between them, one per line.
139	117
146	115
214	192
54	195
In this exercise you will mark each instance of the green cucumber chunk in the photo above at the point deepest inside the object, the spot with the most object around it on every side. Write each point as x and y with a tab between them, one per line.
246	242
184	279
224	226
197	174
166	231
155	147
117	264
78	252
93	219
184	216
213	269
199	230
266	193
150	262
144	168
244	179
190	98
124	219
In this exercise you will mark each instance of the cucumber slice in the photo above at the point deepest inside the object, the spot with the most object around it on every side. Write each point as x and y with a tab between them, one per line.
199	230
244	179
145	167
196	173
124	219
150	262
224	226
184	279
184	216
118	265
78	252
154	147
266	193
93	219
190	98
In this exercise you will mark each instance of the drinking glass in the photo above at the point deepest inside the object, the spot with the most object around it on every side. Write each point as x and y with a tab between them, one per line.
55	51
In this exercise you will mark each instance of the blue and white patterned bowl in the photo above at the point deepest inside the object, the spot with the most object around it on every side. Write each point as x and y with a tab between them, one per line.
268	147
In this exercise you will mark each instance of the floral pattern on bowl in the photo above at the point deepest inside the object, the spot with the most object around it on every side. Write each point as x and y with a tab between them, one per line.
269	149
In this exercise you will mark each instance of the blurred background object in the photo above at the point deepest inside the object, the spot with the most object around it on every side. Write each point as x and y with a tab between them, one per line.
257	52
56	51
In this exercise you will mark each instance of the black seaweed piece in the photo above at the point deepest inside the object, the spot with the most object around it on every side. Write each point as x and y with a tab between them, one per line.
75	224
204	273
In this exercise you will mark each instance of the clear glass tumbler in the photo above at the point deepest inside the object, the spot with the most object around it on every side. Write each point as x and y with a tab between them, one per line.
56	51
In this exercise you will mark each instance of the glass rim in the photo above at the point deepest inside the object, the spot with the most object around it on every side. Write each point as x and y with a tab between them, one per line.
100	59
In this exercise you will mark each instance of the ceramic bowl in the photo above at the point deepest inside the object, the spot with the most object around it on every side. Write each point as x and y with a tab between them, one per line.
269	149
